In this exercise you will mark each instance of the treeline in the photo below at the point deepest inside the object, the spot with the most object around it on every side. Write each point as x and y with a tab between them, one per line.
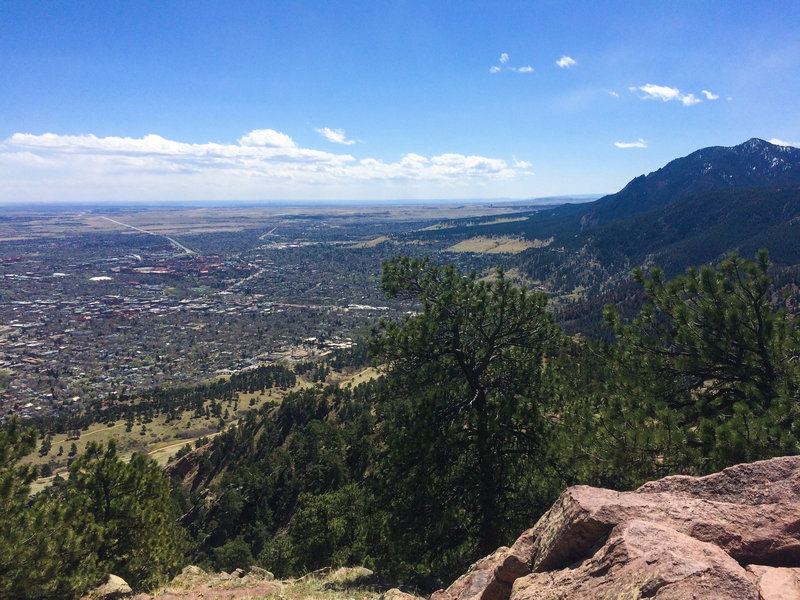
338	360
170	401
485	411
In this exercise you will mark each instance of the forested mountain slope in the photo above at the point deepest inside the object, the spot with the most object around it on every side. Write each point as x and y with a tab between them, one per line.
698	229
755	163
483	416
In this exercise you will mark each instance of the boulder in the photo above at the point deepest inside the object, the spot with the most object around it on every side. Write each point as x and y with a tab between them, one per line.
190	575
640	559
259	573
488	579
760	533
114	587
192	571
771	481
396	594
679	537
347	577
776	583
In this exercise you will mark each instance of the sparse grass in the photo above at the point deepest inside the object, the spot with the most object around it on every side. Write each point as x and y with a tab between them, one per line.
577	294
515	276
372	243
313	588
160	441
342	584
438	226
361	376
497	221
497	245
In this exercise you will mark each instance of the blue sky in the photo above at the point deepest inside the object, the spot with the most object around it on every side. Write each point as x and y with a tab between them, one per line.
304	100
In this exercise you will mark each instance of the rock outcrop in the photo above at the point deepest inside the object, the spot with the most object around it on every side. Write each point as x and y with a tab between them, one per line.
733	535
113	588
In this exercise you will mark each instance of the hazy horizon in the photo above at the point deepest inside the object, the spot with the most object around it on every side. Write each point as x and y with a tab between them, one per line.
379	101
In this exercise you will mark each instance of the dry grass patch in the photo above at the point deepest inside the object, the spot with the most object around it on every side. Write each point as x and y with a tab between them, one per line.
498	245
371	243
361	376
497	221
257	584
161	439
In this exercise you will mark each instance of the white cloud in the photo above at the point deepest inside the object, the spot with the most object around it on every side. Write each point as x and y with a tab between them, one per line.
336	136
689	99
638	144
522	164
504	66
778	142
665	93
263	164
566	62
612	93
709	95
267	137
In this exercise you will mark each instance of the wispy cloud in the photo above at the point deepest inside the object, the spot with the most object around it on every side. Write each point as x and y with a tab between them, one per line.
612	93
640	143
778	142
263	164
504	66
565	62
709	95
522	164
665	93
337	136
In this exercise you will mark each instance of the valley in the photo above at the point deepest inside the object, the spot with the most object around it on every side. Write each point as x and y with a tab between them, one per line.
404	388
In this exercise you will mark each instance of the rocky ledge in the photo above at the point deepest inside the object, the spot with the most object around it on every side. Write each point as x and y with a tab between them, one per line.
732	535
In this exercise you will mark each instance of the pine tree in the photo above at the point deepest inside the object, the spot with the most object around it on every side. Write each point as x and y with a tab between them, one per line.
141	540
44	544
710	367
462	426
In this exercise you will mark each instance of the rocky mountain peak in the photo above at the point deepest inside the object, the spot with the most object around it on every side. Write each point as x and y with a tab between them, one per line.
754	163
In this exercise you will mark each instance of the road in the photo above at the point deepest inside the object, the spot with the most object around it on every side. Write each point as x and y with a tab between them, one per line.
171	241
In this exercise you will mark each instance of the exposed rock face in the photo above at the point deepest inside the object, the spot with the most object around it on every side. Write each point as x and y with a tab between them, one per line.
490	578
187	466
679	537
644	559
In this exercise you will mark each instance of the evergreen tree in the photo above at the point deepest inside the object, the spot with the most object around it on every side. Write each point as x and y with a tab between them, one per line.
45	546
709	368
462	428
141	540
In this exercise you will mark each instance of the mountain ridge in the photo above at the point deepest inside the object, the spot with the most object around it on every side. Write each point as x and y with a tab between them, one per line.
754	163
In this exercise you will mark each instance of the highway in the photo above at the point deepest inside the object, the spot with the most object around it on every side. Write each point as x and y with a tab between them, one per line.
171	241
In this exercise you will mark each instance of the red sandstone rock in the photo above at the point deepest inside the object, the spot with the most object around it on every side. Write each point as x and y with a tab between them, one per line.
644	560
763	482
776	583
488	579
679	537
761	533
